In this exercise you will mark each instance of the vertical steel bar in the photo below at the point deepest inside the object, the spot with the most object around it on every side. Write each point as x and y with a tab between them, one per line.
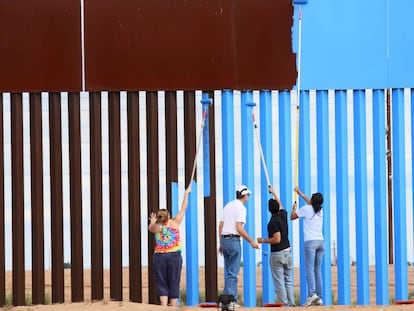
342	192
2	229
322	132
134	198
95	129
17	199
266	142
389	181
380	199
191	213
56	200
75	179
171	151
36	165
153	179
227	130
285	153
400	223
210	214
361	213
304	174
115	207
247	144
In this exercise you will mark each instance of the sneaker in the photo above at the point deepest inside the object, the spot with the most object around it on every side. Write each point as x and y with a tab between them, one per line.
310	301
233	305
318	302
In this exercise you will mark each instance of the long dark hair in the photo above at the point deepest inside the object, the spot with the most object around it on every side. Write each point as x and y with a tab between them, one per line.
316	201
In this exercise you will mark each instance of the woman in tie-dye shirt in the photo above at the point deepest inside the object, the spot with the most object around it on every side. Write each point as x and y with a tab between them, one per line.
167	260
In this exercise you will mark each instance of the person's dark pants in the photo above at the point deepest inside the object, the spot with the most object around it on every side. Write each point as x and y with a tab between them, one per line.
167	273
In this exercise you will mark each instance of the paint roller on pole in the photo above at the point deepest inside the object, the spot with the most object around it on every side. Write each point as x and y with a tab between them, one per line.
206	103
298	2
261	149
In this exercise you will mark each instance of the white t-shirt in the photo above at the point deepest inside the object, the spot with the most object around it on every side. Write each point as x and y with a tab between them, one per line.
233	212
312	223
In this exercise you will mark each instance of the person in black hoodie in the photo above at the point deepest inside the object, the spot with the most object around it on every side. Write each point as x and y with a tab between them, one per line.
281	254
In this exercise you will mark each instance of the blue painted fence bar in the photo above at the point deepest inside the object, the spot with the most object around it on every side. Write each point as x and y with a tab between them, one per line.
304	176
400	226
322	128
227	130
285	154
266	123
247	144
191	227
342	193
361	204
380	199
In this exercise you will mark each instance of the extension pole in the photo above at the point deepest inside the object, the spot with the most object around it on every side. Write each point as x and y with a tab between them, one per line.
295	195
261	150
198	145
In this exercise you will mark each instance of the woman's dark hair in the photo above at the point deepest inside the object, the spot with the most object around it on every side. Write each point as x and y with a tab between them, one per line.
273	206
316	201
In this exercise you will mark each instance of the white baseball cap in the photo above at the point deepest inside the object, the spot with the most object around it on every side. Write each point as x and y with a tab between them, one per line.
243	190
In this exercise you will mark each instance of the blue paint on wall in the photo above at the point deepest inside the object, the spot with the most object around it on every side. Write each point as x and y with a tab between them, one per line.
352	44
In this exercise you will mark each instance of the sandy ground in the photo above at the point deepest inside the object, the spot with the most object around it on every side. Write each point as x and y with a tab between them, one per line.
108	305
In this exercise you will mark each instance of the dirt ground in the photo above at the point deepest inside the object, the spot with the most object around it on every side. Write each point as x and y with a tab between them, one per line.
107	305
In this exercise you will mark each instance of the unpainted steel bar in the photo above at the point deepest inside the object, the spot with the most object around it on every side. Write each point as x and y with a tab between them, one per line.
95	132
17	199
153	179
75	179
56	197
36	175
134	199
115	207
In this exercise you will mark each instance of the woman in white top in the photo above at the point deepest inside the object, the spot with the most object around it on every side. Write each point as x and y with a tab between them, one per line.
312	216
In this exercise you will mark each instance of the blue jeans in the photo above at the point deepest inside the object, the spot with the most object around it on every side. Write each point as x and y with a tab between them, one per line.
281	267
231	248
313	261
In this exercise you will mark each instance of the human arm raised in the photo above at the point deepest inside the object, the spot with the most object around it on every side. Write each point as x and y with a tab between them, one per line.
153	226
180	216
276	197
300	193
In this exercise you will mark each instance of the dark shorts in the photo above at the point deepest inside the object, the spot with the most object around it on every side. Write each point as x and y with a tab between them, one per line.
167	273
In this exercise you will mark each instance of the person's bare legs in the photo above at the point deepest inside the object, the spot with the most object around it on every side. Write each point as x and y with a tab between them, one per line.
173	302
164	301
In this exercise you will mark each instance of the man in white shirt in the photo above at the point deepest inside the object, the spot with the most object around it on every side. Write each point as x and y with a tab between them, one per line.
231	228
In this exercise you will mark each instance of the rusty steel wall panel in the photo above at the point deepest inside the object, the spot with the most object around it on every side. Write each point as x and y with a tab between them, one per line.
187	45
36	175
17	199
2	224
75	179
158	45
56	197
115	204
40	43
134	199
210	211
95	129
264	45
153	176
171	143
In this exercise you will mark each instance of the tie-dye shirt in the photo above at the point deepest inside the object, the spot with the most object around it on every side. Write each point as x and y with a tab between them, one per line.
167	240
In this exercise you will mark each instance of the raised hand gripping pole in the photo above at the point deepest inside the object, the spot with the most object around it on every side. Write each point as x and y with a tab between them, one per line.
261	150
